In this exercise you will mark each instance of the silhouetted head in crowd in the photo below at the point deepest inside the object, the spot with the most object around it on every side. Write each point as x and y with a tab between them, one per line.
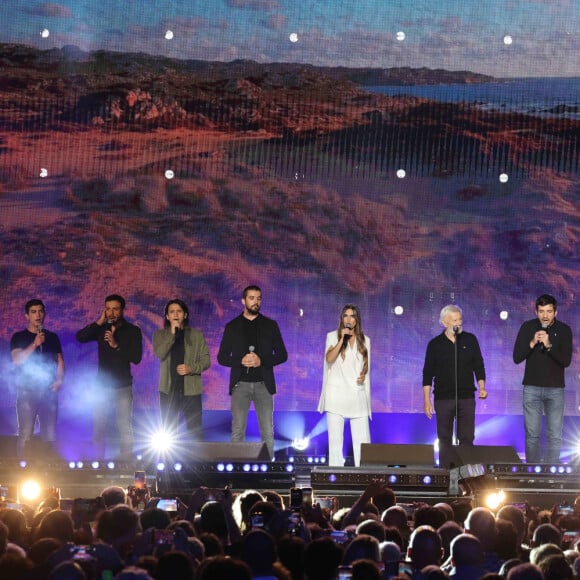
447	532
525	571
173	565
223	568
56	524
508	565
154	518
123	524
211	544
432	572
393	534
365	570
241	507
67	570
480	522
213	520
259	552
517	517
133	573
15	521
261	514
396	516
547	534
186	526
114	495
322	558
424	547
15	565
389	552
429	516
543	551
291	554
275	498
466	550
372	528
507	545
446	509
362	547
556	567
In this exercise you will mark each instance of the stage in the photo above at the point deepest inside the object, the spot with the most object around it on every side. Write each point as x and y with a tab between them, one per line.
246	466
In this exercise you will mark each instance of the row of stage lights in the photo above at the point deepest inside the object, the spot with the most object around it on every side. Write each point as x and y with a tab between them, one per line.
291	462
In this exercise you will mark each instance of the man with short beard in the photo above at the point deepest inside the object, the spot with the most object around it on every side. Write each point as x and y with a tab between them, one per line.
252	346
120	344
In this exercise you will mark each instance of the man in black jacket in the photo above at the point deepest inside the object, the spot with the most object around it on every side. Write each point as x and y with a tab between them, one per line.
252	346
120	343
546	345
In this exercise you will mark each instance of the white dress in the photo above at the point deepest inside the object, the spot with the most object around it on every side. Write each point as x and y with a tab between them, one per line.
341	394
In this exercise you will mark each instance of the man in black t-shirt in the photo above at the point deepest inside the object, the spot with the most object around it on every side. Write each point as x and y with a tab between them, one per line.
37	355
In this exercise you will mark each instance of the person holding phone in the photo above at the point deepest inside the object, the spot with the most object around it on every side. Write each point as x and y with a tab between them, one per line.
184	356
37	356
346	385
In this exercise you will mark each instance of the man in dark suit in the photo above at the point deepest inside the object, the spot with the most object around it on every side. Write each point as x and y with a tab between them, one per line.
252	346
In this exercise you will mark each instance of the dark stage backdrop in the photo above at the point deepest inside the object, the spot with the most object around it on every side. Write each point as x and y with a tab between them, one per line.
398	157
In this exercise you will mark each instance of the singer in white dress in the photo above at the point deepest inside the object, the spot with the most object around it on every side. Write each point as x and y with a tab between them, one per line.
346	386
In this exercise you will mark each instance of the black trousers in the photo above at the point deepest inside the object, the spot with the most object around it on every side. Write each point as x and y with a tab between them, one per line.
445	411
174	404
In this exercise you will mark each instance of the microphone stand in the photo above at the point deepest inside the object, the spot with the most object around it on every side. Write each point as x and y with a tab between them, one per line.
456	376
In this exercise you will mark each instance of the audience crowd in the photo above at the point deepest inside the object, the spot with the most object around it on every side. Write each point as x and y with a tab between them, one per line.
218	535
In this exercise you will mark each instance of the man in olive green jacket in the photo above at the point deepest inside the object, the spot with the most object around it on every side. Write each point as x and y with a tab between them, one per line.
184	355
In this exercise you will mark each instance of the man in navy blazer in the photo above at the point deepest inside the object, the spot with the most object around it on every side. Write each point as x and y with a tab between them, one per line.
252	346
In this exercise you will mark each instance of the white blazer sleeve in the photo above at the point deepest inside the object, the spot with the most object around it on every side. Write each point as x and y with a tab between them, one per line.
331	339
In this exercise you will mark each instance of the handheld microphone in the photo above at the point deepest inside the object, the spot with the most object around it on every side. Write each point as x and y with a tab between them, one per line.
40	331
544	327
251	349
456	329
346	337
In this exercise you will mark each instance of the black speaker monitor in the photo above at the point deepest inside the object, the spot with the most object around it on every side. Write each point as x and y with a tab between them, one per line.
396	454
484	454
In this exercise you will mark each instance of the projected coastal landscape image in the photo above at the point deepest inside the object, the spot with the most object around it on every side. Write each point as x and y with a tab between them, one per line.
396	157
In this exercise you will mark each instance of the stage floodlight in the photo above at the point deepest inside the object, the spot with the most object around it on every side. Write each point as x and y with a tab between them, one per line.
111	465
162	441
30	490
495	499
72	464
160	466
95	465
177	466
300	443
